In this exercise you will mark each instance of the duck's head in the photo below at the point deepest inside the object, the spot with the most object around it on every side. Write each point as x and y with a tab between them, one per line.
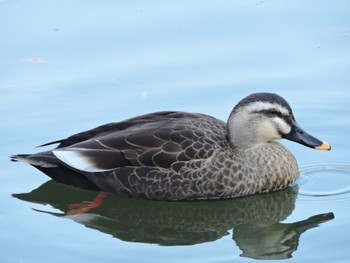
265	117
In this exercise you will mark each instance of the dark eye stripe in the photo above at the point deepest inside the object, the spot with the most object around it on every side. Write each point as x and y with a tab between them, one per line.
271	113
275	113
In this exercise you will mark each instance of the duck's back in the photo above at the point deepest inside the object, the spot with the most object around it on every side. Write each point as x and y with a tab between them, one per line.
144	156
154	140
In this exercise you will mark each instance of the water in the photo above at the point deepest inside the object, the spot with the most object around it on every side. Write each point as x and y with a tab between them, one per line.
67	67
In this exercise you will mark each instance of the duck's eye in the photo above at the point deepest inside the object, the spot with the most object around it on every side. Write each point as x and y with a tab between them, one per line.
274	112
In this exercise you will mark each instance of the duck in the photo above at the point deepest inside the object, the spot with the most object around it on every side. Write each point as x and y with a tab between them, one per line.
183	156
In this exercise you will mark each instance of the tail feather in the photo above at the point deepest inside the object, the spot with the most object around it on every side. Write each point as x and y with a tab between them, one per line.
18	157
54	168
32	159
50	143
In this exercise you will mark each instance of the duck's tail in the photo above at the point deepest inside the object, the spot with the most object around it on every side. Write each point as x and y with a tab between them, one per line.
54	168
34	159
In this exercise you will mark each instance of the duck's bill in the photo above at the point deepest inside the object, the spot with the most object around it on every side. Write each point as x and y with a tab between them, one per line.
297	134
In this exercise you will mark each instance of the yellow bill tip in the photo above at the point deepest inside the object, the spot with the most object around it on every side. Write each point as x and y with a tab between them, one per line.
324	146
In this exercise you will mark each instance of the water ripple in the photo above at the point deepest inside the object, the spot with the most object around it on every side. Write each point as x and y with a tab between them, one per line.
325	181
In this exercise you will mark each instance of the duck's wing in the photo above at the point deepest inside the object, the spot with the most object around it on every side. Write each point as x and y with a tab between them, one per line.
113	127
152	140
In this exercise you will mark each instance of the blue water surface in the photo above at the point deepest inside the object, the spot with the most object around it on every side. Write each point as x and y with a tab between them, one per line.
67	66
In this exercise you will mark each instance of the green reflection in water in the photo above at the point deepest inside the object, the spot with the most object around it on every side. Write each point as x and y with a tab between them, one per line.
255	220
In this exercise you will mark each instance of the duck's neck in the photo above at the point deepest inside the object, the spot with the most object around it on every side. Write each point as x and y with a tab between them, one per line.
241	134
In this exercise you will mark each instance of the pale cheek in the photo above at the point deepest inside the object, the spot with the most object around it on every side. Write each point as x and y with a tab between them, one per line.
282	125
286	129
268	132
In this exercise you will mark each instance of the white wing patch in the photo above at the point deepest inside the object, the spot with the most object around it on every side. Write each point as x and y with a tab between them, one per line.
75	158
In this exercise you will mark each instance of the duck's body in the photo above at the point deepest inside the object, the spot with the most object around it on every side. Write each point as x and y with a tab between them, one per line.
182	156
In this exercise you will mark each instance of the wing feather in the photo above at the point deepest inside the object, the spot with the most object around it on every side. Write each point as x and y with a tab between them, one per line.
153	140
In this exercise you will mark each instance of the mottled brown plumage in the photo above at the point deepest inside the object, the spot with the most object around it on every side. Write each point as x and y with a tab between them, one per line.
183	156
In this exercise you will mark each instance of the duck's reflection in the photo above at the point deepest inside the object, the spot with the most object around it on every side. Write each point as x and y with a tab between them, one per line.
255	220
